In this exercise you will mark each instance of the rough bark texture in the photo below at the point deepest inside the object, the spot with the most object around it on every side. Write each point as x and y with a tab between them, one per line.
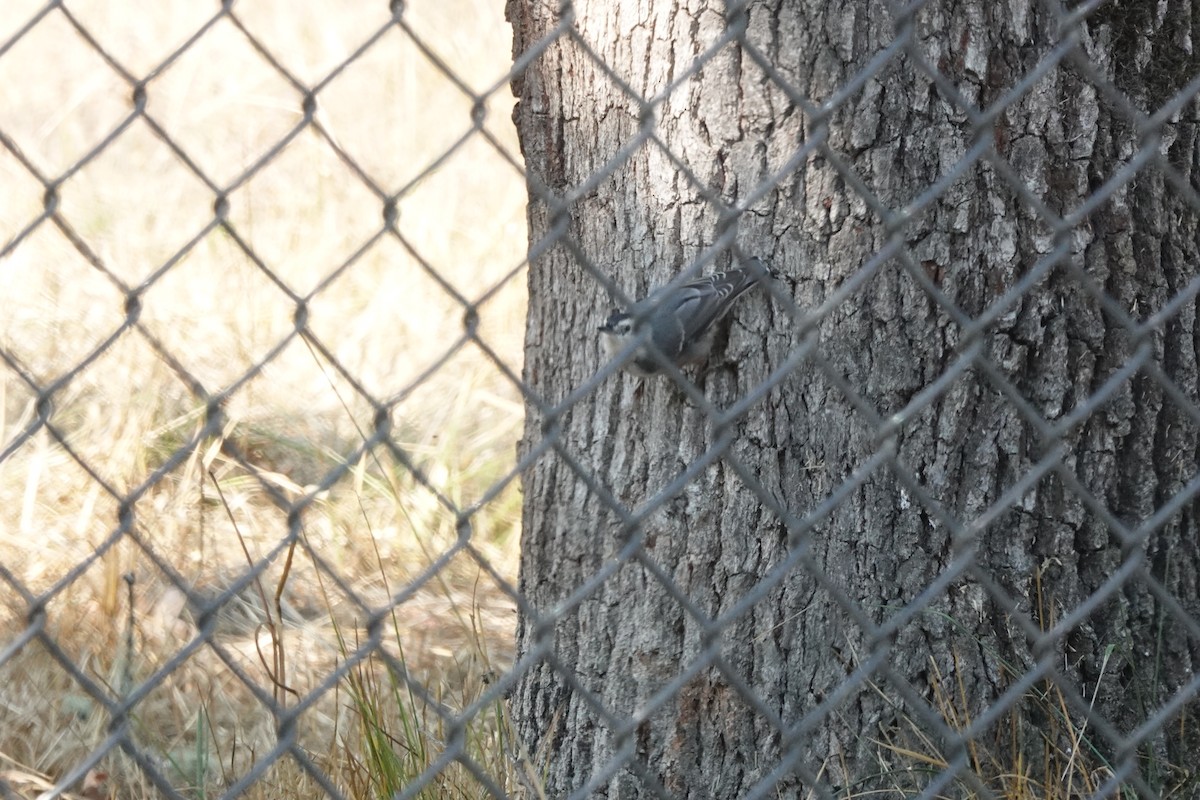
883	545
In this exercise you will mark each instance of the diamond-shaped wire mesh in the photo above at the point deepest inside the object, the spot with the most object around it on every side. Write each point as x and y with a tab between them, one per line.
263	332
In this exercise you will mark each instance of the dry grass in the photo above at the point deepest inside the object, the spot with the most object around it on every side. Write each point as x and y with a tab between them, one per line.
1058	758
128	412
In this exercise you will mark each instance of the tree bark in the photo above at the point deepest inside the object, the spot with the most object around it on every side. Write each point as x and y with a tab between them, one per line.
887	580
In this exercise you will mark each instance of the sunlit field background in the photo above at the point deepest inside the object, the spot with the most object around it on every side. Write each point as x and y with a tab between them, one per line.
380	326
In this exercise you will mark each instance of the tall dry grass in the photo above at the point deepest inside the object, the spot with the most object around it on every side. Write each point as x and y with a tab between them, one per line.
128	412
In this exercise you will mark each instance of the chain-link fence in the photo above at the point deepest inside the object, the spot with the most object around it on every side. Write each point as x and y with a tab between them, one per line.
261	403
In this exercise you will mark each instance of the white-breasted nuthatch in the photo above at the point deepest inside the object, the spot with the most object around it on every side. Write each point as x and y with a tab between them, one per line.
680	319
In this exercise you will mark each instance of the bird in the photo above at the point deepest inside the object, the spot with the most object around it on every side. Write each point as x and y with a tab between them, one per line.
680	320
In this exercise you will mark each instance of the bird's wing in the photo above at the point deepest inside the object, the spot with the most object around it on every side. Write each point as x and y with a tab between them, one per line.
702	302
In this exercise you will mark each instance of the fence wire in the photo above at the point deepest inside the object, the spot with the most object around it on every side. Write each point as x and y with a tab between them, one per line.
102	713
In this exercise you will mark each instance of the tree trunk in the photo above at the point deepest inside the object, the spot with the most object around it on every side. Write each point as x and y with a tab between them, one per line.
958	541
